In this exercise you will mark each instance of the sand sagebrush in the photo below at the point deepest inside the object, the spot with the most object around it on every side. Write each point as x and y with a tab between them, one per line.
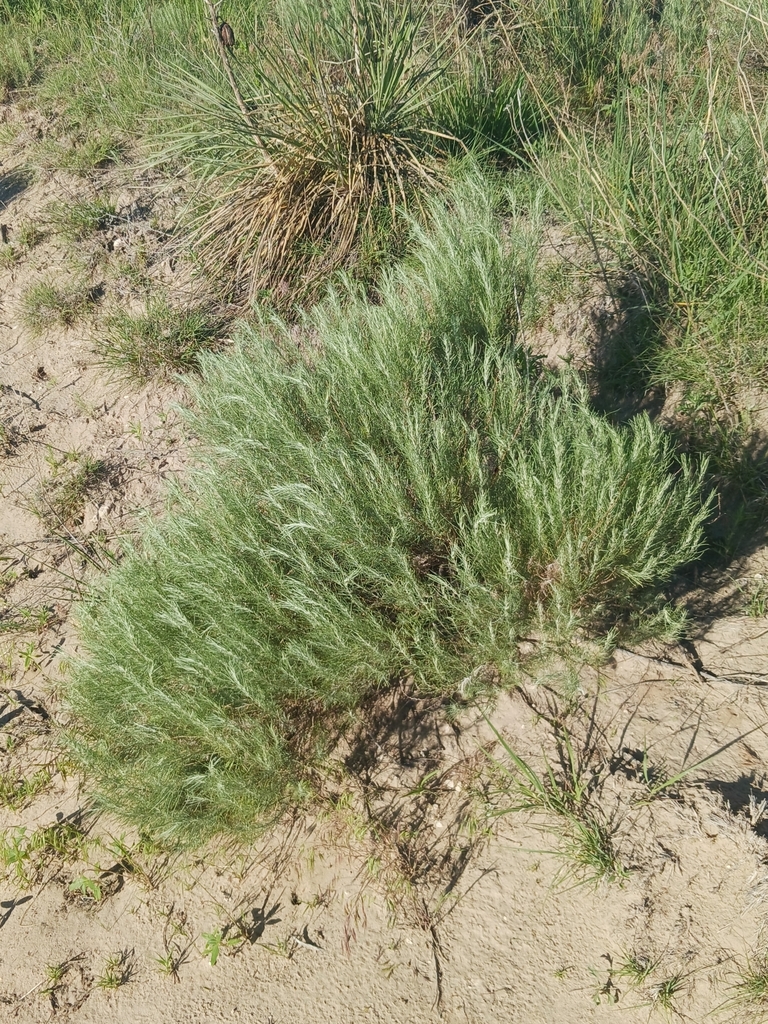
403	493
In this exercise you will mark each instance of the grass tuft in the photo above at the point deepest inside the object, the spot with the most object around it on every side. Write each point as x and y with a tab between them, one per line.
566	799
78	220
45	305
62	497
159	342
337	133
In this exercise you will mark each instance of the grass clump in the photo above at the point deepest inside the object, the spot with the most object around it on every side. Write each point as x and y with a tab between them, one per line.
78	220
62	496
403	494
336	131
25	855
158	342
566	800
45	305
16	792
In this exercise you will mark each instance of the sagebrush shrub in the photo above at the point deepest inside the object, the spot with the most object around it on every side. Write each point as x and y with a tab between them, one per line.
388	491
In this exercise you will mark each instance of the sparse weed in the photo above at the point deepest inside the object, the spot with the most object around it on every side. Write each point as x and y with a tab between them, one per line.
25	620
9	256
10	438
54	973
566	796
116	972
757	605
29	235
141	860
659	781
168	963
45	305
81	154
25	855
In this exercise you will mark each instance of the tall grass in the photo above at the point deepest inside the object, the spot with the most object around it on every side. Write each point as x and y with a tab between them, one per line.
98	64
389	491
681	188
674	187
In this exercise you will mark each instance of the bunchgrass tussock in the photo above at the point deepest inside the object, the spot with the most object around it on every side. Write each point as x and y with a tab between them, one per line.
159	342
383	491
579	49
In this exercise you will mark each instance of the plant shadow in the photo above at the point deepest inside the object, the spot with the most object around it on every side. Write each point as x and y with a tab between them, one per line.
418	790
12	184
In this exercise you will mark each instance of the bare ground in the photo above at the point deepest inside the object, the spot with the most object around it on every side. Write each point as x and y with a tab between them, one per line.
410	896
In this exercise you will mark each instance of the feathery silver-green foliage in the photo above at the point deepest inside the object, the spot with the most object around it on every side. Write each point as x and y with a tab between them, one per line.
388	491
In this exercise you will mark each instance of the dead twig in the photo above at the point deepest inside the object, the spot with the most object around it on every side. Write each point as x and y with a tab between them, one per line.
227	65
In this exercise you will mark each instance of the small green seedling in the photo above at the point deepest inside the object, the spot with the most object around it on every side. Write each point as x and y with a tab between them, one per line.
215	942
87	887
117	971
54	974
168	963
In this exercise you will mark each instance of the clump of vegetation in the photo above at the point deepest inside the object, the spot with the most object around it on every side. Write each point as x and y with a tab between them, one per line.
62	497
336	132
9	256
10	438
16	791
25	855
117	971
750	993
45	305
406	494
82	218
29	234
341	122
159	342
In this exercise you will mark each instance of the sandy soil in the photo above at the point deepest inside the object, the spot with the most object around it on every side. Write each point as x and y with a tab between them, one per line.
411	897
